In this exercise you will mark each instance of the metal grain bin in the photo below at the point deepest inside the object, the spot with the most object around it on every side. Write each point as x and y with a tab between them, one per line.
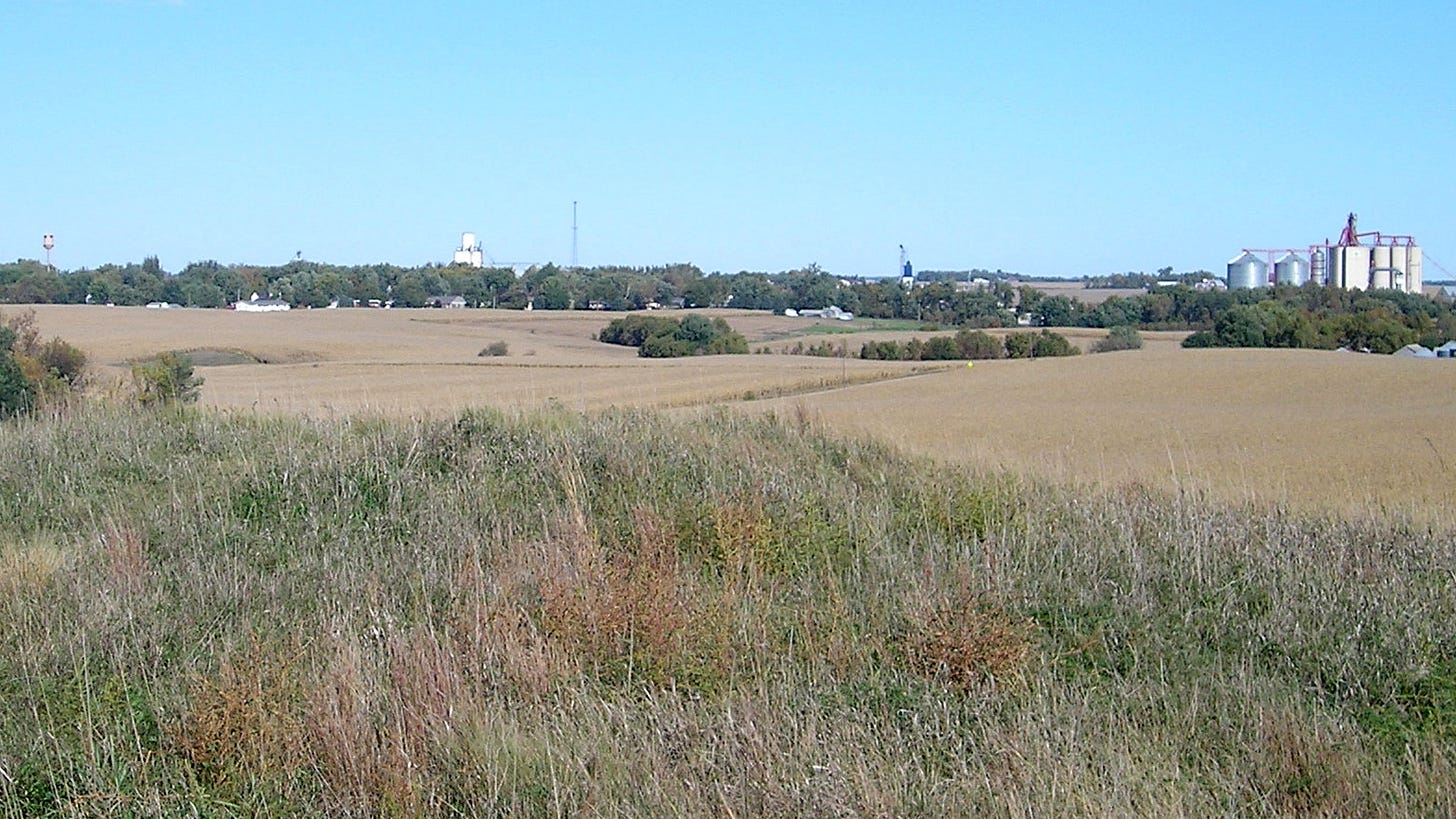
1247	271
1291	269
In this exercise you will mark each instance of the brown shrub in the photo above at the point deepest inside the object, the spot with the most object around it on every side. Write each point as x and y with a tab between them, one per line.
635	613
970	644
245	719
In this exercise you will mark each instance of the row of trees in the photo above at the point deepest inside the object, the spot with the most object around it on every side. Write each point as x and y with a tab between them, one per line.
310	284
1318	316
1309	316
971	345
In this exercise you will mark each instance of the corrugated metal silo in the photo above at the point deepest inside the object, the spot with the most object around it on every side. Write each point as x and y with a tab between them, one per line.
1380	267
1317	266
1291	269
1247	271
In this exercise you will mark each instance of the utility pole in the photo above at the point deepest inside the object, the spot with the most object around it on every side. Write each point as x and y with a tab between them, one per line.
573	234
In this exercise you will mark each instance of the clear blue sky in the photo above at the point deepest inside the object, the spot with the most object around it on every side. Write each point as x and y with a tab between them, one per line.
1047	139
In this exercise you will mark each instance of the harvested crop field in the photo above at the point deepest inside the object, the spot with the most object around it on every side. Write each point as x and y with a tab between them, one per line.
1311	429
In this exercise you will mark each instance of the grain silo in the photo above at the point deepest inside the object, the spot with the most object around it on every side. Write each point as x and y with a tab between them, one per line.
1358	261
1352	264
1389	262
1247	271
1291	269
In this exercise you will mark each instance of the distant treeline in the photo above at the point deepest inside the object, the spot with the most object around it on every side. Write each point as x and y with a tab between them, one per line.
548	287
1309	316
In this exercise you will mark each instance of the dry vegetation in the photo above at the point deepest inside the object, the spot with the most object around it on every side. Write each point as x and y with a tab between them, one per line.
1313	430
1310	429
555	614
532	611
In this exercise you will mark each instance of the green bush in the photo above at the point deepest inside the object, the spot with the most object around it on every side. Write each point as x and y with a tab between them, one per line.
1119	338
34	372
1052	345
975	344
663	337
495	348
17	394
166	380
1020	345
632	331
940	348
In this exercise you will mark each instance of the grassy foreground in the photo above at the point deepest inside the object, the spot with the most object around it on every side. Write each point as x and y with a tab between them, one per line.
623	614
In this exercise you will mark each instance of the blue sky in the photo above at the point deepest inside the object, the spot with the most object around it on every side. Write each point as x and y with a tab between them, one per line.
1046	139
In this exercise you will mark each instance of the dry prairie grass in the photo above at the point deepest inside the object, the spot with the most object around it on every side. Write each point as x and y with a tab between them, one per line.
553	614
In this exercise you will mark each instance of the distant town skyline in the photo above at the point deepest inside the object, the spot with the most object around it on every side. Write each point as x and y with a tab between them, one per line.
1042	140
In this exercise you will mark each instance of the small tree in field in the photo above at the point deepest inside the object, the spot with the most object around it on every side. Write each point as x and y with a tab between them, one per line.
167	380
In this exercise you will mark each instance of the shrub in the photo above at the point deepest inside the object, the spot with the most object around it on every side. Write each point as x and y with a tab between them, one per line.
974	344
1052	345
1119	338
17	395
167	380
1202	338
1019	345
34	372
882	351
632	331
663	337
940	348
495	348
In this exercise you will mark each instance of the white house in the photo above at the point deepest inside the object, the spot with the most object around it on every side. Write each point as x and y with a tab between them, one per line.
257	305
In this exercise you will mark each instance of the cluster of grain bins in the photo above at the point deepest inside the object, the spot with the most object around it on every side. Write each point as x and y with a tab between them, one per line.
1387	262
1249	271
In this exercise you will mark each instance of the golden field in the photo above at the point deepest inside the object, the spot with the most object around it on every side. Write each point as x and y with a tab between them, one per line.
1310	429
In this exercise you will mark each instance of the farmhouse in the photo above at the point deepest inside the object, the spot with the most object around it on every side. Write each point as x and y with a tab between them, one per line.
257	305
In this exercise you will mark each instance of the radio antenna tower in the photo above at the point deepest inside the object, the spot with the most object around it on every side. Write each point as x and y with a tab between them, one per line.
573	234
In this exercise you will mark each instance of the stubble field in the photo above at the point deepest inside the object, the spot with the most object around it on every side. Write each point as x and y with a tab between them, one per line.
1309	429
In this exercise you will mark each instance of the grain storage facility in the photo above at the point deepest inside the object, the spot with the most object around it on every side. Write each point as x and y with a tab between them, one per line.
1387	262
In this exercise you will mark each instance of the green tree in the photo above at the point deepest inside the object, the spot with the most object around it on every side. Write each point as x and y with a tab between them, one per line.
1019	345
1240	326
975	344
17	394
1052	345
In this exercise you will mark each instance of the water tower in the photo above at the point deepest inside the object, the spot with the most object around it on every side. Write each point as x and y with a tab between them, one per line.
48	241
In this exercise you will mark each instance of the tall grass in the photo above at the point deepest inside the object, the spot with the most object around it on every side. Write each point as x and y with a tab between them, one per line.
623	614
